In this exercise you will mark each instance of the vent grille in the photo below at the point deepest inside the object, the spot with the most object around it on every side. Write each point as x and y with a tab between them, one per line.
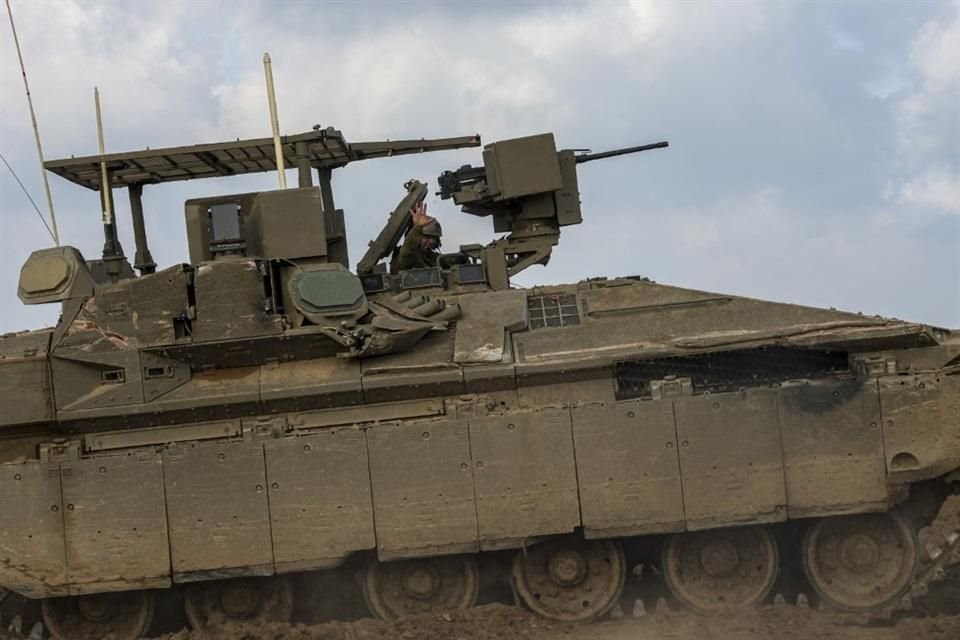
559	310
730	370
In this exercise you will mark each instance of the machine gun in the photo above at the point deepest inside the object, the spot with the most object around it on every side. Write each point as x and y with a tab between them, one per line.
467	175
530	189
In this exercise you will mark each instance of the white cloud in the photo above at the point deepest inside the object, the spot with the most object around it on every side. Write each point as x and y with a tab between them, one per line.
760	245
937	189
134	57
925	178
402	80
607	28
928	119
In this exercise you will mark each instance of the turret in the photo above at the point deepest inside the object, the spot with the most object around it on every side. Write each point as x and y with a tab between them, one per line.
530	189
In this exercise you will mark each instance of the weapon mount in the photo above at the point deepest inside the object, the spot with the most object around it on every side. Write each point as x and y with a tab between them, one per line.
530	189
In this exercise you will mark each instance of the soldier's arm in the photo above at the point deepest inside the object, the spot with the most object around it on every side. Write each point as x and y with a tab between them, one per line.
408	258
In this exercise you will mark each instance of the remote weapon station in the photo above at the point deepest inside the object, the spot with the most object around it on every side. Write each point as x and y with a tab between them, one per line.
229	426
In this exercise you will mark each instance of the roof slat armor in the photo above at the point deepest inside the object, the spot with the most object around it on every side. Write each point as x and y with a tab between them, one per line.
327	149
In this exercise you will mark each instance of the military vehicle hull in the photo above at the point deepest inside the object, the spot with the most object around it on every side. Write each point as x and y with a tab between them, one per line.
561	422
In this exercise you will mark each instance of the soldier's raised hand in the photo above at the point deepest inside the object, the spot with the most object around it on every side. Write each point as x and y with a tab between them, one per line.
419	215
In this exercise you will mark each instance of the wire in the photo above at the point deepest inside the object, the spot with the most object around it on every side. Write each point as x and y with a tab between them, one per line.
27	193
36	136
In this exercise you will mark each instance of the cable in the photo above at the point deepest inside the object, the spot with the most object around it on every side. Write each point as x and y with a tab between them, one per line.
36	136
27	193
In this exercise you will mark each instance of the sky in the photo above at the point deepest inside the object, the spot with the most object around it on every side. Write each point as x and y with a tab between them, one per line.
813	145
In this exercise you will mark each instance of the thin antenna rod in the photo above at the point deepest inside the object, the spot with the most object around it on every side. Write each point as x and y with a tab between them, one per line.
29	197
36	131
104	179
274	120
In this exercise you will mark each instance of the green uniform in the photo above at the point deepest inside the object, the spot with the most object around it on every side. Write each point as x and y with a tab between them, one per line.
412	255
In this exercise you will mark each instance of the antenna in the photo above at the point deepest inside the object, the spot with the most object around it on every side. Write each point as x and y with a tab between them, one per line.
36	132
104	178
274	120
113	256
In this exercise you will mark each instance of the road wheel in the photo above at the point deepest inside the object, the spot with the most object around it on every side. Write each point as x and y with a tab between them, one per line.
396	589
862	562
721	568
569	579
213	604
123	615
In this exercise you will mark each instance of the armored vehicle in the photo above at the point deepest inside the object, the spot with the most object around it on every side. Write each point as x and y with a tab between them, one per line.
268	411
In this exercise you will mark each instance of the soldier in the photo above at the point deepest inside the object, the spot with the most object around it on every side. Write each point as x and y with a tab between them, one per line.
421	244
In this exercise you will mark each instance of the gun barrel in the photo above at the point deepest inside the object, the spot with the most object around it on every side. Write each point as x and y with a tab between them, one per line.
587	157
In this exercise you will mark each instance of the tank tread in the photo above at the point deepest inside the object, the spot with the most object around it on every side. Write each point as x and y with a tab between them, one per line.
13	625
935	570
941	559
14	630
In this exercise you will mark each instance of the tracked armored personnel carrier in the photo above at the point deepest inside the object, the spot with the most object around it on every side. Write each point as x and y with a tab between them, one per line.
272	410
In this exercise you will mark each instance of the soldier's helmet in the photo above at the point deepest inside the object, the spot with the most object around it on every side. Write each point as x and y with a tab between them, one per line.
433	229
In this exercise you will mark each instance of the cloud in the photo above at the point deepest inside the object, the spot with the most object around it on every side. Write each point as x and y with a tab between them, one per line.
891	81
759	244
843	40
928	118
598	28
401	81
926	174
937	189
137	58
772	186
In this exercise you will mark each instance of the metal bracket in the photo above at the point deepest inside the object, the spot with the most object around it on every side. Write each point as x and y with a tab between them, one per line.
61	451
671	387
879	366
265	428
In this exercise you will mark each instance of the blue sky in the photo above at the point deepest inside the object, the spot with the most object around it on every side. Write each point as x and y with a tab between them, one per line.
813	152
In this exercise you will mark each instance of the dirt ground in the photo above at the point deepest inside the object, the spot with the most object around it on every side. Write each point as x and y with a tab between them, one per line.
499	622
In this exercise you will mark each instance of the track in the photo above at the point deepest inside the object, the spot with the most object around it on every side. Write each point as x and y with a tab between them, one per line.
929	610
934	616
